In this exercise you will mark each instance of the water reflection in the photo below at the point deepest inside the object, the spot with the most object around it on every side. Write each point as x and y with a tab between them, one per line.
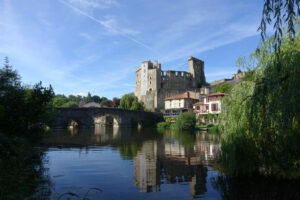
159	158
167	161
127	163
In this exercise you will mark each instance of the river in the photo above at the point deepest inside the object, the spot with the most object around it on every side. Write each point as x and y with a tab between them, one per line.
122	163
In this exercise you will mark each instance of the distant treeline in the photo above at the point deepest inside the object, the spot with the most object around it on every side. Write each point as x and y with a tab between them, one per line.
60	100
128	101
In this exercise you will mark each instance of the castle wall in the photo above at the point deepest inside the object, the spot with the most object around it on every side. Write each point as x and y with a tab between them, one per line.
154	85
138	83
175	80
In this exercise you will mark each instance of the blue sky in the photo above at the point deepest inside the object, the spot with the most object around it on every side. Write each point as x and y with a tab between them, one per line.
95	45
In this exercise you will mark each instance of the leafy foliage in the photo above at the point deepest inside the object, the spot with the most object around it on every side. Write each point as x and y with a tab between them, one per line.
223	88
262	116
26	175
280	11
186	121
23	113
131	102
129	151
22	110
73	101
163	125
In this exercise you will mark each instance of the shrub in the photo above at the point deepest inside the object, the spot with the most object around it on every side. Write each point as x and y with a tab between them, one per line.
186	120
163	125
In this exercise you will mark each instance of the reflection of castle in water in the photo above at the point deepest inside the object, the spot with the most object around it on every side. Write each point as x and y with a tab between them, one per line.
145	168
166	162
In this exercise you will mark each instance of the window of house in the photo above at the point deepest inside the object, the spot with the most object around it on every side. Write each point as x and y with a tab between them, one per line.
214	107
198	108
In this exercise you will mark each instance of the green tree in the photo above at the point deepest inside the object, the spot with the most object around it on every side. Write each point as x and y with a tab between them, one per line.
73	98
59	100
22	110
279	11
106	103
8	77
131	102
88	98
70	104
262	116
223	88
96	99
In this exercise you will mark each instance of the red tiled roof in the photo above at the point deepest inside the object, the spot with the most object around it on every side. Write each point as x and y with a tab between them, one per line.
198	103
185	95
217	94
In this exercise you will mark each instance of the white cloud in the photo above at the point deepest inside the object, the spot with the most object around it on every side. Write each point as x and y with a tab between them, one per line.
79	93
113	28
75	55
94	4
109	24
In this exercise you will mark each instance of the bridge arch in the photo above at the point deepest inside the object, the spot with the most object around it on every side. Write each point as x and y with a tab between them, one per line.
73	123
107	119
88	117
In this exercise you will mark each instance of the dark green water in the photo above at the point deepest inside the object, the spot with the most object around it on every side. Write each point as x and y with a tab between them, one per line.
113	163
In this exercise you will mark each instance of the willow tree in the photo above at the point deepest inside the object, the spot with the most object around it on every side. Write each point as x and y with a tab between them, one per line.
261	118
279	13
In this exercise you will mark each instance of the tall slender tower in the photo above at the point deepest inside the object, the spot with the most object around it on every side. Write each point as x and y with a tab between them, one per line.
196	68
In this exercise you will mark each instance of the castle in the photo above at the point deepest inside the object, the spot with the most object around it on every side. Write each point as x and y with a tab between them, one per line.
153	85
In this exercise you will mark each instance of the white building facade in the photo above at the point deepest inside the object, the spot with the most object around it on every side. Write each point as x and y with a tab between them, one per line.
210	105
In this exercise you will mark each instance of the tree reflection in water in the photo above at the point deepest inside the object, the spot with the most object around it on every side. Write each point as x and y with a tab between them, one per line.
161	161
256	188
22	174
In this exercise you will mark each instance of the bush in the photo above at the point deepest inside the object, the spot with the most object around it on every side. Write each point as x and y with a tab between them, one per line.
186	120
170	119
163	125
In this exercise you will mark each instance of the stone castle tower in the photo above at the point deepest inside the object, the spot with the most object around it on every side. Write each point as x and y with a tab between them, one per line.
154	85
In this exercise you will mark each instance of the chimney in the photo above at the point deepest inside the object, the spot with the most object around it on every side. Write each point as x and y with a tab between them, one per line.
188	94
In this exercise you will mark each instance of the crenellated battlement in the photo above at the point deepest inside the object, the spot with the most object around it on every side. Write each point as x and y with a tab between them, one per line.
153	84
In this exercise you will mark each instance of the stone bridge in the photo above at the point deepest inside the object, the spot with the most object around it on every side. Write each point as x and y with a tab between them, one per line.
88	117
